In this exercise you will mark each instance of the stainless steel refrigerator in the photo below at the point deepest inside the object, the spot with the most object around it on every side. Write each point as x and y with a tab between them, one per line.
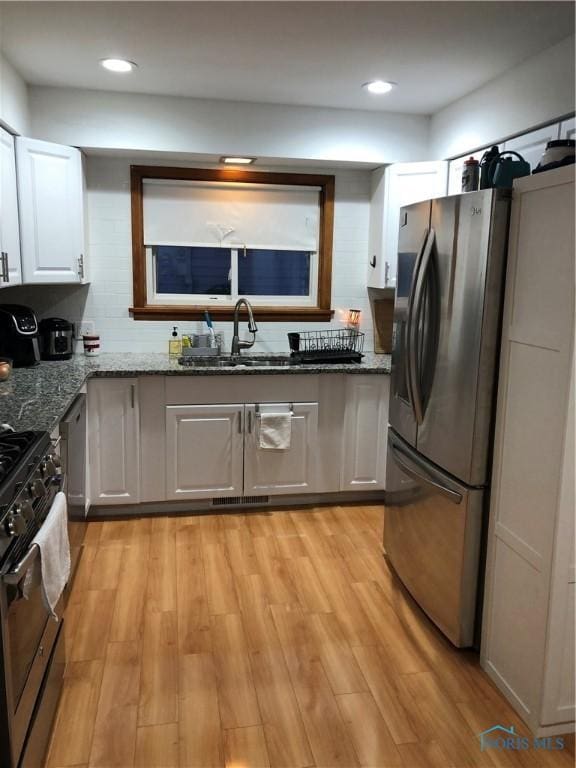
447	311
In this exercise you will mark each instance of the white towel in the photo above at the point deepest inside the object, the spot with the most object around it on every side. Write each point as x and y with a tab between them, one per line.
275	431
52	540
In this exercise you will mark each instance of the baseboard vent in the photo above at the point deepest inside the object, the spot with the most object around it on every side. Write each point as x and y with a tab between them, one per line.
235	500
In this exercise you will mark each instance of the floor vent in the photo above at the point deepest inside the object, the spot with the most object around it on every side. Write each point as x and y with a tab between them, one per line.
221	502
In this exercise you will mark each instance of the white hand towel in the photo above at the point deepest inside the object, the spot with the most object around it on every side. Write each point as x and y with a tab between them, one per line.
275	431
52	540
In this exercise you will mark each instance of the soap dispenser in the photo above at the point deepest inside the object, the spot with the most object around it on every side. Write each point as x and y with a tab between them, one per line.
175	344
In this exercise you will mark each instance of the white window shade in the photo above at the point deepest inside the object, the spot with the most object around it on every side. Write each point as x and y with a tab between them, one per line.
233	214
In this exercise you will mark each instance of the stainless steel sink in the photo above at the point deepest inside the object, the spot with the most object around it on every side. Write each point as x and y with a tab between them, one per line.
253	361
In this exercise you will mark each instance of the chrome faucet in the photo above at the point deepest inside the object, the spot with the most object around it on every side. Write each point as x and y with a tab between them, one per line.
237	343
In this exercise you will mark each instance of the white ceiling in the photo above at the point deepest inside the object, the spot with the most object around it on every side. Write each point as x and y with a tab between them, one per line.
307	53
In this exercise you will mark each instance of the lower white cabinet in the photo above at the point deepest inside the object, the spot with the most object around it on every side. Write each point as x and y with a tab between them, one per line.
212	451
365	428
113	441
274	472
204	451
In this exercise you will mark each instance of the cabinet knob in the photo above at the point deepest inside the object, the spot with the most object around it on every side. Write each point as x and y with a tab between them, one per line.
373	262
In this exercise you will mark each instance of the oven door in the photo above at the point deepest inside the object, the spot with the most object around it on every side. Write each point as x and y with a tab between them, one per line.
29	635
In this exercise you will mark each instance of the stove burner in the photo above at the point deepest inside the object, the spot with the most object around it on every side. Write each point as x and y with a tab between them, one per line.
12	447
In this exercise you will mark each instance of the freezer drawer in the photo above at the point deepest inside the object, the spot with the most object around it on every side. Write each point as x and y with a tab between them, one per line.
432	533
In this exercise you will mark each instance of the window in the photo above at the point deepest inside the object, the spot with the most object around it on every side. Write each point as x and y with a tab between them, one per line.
203	238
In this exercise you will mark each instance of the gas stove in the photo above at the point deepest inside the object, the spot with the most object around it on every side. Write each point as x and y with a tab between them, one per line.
29	479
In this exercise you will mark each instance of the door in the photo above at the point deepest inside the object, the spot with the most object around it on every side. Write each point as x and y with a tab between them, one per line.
204	451
50	190
453	333
114	441
365	424
412	238
273	472
432	531
10	266
398	185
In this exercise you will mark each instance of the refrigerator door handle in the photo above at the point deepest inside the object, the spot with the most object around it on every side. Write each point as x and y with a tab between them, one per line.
410	358
418	294
402	459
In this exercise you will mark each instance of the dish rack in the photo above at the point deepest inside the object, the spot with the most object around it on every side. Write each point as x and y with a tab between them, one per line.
341	345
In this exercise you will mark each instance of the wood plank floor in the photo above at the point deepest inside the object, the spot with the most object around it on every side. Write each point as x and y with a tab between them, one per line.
275	639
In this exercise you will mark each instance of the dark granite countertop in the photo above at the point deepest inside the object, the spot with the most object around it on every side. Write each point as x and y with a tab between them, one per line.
38	397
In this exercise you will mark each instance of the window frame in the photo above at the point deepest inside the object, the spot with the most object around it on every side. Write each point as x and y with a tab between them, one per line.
145	309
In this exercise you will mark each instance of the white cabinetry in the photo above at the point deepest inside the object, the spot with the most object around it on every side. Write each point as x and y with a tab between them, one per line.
274	472
212	451
51	198
532	145
10	269
392	187
113	441
365	426
568	129
204	445
528	632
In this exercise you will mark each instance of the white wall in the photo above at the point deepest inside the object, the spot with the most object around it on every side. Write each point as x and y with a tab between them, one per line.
109	295
101	119
14	106
535	92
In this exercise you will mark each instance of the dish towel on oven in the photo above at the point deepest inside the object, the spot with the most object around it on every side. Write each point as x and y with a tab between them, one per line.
52	540
275	431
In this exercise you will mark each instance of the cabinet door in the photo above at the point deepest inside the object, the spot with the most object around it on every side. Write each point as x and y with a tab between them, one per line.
50	189
113	440
10	269
204	445
365	427
403	184
568	129
532	145
274	472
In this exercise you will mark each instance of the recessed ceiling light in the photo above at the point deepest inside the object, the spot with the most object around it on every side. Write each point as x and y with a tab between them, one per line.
379	86
118	65
237	160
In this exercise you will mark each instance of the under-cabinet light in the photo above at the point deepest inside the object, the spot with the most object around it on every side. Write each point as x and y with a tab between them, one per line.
237	160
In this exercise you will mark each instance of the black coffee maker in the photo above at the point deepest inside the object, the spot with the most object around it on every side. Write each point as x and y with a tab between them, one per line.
19	335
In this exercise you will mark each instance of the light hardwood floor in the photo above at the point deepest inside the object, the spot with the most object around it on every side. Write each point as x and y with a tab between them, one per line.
264	639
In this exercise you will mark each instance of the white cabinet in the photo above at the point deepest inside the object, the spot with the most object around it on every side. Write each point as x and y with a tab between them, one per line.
568	129
10	269
392	187
528	631
532	145
113	441
365	429
212	451
204	451
293	470
51	199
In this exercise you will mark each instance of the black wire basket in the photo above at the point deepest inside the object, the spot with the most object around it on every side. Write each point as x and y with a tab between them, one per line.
340	345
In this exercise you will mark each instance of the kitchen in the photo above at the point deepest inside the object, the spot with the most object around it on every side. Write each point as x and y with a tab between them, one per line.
230	469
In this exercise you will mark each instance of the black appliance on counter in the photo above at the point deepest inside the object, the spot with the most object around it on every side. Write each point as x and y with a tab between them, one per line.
31	642
56	339
19	335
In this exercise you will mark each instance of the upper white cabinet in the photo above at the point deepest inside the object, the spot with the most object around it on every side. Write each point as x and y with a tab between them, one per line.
532	145
568	129
365	429
114	441
204	446
392	187
528	631
51	198
291	470
10	269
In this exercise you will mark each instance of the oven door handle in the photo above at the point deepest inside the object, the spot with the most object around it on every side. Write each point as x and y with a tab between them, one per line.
15	575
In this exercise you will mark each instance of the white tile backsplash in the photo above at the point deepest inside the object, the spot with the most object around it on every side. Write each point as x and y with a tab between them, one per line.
107	298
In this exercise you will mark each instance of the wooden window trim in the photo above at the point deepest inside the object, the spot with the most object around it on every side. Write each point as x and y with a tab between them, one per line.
144	311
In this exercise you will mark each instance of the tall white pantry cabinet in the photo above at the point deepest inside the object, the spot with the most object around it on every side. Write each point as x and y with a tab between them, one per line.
528	631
